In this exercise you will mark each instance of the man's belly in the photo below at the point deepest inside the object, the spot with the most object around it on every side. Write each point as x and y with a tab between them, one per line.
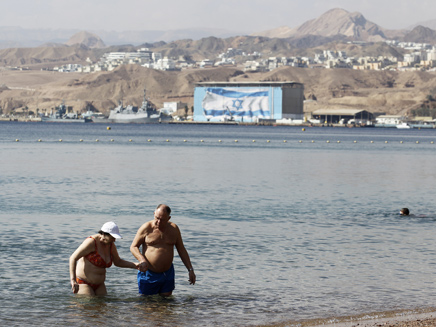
159	260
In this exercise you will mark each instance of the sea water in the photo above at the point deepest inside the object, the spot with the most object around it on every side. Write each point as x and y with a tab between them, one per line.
281	224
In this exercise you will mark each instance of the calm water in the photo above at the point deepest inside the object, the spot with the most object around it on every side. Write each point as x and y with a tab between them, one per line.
277	231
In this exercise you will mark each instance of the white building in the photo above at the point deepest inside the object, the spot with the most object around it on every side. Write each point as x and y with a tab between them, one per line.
172	107
165	64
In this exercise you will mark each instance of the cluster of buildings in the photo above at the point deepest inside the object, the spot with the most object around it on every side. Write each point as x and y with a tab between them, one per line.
420	56
154	60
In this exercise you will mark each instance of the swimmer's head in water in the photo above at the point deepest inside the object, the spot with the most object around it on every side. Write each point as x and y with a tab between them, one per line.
404	212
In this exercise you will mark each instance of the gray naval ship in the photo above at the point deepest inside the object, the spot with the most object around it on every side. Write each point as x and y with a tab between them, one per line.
131	114
61	114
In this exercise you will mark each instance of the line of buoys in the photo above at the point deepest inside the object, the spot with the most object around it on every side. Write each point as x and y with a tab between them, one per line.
236	141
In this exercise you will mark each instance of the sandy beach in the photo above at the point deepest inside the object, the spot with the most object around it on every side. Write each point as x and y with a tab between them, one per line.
385	319
412	320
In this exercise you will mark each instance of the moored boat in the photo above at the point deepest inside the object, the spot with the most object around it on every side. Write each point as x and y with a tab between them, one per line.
61	115
131	114
404	126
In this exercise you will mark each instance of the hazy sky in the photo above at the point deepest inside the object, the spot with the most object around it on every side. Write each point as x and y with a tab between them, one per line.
232	15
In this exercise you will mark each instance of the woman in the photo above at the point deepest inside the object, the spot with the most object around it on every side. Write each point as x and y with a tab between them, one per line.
89	262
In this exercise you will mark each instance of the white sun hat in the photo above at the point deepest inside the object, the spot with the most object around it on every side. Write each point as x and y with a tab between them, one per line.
112	229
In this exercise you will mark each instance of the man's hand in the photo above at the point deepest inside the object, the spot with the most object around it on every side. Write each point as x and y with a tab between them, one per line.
192	277
143	266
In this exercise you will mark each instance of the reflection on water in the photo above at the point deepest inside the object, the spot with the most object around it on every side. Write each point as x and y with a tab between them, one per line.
278	231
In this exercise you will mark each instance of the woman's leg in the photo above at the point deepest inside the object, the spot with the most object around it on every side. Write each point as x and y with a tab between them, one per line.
85	289
101	290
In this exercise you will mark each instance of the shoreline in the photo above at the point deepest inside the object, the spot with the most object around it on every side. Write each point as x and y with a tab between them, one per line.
400	318
275	124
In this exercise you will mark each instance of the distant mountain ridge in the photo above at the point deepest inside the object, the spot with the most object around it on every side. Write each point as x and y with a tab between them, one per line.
334	25
17	37
88	39
333	30
334	22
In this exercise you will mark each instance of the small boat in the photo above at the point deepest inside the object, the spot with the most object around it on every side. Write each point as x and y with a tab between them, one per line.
404	126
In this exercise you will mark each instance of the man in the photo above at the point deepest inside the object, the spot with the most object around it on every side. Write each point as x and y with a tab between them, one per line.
158	238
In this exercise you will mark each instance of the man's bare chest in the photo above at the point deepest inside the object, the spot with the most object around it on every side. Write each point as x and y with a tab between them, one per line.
157	238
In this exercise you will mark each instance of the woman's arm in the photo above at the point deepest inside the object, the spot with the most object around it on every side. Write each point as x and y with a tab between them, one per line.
121	262
85	248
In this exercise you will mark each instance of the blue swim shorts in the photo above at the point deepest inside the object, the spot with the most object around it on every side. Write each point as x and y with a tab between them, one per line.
150	282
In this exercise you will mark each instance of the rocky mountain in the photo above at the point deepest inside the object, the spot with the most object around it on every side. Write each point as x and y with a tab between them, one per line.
87	39
421	34
335	22
429	23
45	57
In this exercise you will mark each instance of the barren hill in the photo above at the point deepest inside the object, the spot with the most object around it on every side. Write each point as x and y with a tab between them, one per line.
421	34
375	91
87	39
47	56
353	26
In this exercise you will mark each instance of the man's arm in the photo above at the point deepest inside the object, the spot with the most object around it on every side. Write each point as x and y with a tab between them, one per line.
184	256
134	248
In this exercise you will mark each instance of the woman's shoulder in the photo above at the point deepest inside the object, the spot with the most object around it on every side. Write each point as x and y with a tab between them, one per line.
91	240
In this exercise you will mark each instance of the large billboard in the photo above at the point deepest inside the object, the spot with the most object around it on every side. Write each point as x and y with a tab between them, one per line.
232	102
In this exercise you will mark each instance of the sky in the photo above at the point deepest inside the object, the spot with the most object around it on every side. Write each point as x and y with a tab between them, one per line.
231	15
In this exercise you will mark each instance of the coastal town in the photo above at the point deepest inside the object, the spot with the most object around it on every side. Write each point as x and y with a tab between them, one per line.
419	56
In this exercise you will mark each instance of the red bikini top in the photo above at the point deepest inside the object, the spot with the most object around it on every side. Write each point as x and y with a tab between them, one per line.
95	258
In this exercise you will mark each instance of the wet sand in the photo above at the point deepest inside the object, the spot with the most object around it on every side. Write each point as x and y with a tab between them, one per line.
413	320
423	318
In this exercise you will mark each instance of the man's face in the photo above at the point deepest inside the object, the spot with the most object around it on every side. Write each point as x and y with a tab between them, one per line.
161	218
